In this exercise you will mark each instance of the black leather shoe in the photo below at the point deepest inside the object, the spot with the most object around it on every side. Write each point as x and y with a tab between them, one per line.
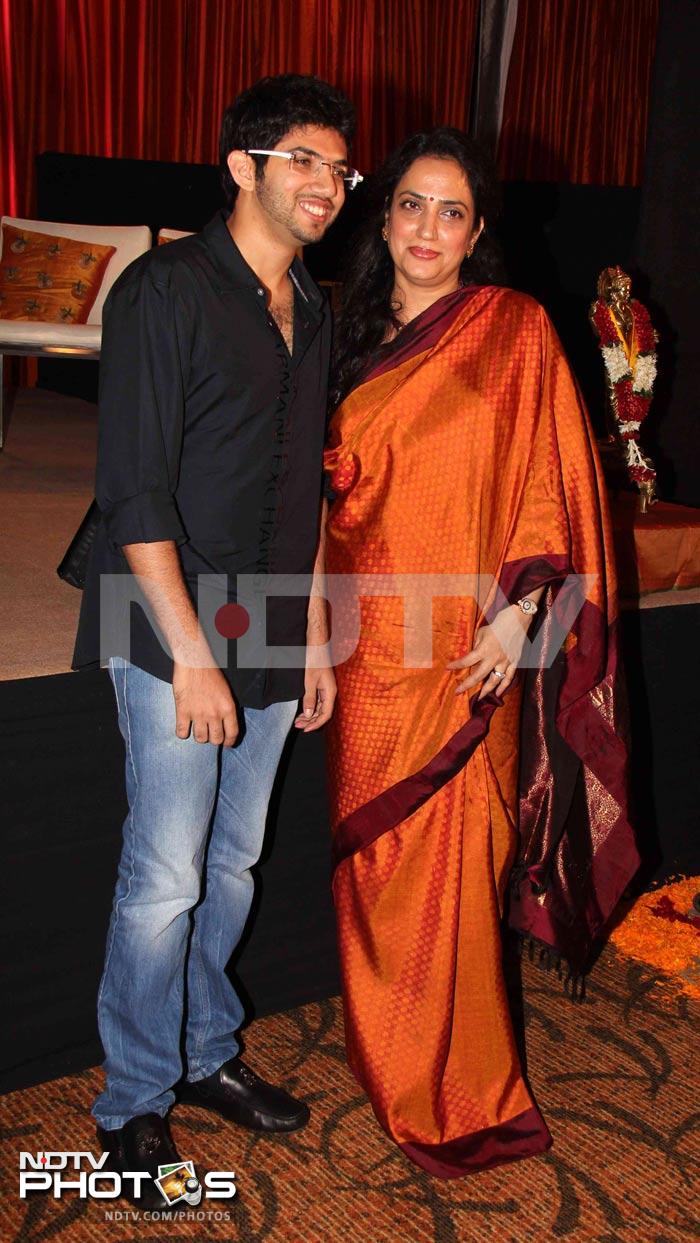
236	1093
143	1143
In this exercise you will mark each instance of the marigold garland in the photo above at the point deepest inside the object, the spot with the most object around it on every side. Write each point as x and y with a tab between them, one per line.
662	929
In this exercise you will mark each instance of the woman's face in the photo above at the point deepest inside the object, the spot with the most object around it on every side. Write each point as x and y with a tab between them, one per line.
430	225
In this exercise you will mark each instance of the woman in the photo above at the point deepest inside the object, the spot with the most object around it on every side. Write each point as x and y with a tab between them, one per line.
460	449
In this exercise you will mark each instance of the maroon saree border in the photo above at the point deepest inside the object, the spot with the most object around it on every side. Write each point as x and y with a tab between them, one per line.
526	1135
519	577
420	334
392	806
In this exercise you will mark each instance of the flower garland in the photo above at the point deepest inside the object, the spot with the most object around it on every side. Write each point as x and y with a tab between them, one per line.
662	929
630	377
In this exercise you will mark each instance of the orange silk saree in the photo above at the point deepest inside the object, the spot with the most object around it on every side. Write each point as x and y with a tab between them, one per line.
465	451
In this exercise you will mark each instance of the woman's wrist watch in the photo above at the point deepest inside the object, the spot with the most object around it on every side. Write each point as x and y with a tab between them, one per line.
527	606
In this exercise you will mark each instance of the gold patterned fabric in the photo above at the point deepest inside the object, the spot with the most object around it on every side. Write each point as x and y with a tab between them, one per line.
49	279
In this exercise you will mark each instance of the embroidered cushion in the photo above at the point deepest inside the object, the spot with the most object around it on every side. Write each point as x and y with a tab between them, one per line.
48	278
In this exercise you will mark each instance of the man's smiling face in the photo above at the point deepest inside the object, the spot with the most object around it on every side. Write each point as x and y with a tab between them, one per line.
304	202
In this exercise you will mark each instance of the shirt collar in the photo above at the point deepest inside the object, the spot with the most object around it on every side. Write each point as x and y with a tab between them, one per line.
237	273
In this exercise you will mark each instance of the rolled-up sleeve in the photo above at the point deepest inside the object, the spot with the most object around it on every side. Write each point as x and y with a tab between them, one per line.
141	408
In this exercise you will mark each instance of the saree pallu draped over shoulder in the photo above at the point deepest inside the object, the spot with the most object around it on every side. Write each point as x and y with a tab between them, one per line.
465	451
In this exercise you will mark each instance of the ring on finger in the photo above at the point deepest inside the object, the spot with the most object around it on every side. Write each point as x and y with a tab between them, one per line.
498	673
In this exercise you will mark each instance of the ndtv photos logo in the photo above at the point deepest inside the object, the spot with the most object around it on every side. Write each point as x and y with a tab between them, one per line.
91	1178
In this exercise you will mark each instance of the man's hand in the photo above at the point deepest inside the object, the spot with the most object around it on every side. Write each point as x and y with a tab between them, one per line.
319	699
204	703
319	684
203	699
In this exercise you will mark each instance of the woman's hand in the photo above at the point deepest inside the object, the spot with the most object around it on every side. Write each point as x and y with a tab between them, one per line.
496	653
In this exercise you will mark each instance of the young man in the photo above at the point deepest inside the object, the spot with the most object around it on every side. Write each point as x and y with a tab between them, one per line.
212	415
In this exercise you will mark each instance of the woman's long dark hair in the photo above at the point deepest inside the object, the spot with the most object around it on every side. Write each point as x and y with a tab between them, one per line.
366	310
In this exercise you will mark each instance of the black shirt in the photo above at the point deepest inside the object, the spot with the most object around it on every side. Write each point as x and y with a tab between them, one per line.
210	434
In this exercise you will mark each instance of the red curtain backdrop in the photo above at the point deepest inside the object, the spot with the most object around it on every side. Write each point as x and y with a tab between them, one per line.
91	77
150	78
577	95
402	66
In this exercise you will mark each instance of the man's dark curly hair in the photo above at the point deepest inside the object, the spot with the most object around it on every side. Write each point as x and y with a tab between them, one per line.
263	114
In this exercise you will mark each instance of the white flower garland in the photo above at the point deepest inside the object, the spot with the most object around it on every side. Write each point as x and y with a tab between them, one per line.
644	373
616	363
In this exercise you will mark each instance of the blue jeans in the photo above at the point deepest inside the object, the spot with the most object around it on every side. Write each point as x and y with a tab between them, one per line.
194	809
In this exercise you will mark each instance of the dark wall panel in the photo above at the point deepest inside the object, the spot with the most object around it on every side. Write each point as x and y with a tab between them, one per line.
668	247
63	807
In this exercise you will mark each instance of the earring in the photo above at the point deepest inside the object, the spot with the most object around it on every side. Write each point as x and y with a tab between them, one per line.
385	235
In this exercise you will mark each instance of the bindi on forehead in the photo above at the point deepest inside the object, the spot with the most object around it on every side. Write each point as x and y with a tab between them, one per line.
433	198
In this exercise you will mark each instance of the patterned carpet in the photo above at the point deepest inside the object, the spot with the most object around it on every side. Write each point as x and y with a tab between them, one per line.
614	1077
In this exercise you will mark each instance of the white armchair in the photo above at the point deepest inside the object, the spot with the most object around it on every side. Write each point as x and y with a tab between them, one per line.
171	235
56	340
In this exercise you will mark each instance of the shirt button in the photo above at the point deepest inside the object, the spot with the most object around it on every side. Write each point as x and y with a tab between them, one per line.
260	292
